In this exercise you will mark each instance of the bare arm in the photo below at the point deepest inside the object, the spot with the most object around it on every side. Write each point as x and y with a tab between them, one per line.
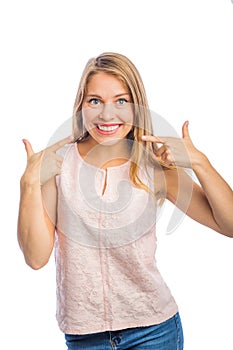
218	194
35	229
211	203
37	208
207	203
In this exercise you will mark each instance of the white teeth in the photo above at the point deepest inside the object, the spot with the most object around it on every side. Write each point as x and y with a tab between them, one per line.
108	128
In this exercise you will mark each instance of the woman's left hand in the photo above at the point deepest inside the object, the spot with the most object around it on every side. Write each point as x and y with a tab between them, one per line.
175	151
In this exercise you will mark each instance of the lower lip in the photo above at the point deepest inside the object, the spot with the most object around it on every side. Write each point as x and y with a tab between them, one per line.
112	132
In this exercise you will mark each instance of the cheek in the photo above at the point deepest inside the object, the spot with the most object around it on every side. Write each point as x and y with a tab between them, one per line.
88	115
126	116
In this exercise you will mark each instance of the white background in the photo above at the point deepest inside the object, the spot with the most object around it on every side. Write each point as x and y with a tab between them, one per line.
183	50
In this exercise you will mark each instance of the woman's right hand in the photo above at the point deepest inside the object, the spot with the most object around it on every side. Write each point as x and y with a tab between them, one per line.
44	165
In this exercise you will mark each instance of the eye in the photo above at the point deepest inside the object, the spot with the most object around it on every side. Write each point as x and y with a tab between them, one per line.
121	101
94	101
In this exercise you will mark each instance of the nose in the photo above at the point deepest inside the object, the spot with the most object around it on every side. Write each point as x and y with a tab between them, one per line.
107	112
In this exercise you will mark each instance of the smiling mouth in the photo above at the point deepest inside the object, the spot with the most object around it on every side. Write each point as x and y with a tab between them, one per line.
107	129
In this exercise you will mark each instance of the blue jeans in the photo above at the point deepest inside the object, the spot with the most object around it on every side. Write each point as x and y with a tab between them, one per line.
167	335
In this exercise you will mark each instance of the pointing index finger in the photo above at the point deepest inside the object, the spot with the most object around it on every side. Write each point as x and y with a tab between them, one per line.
56	146
152	139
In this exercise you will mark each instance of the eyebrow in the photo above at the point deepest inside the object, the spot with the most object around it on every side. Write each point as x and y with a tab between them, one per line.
118	95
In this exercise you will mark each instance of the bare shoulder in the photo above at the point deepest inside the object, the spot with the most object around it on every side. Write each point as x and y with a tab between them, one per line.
161	181
171	176
176	179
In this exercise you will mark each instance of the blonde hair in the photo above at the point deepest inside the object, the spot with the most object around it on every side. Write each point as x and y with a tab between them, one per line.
124	70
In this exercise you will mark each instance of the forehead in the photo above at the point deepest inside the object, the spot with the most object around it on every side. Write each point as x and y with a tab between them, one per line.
105	84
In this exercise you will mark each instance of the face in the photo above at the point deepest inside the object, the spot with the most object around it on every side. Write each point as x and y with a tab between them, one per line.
107	109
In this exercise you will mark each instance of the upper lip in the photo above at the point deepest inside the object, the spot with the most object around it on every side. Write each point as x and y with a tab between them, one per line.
104	124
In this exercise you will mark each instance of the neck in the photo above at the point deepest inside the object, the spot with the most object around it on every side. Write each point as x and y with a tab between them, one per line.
103	155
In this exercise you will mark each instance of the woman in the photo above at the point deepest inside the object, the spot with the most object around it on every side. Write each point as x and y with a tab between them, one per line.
94	196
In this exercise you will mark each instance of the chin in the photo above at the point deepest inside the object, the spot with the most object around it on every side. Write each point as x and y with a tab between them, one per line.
110	141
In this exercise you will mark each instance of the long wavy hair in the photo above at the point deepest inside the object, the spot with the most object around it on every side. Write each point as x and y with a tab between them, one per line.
124	70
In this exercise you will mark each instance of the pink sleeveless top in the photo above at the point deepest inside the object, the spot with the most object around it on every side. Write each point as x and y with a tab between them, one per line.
107	278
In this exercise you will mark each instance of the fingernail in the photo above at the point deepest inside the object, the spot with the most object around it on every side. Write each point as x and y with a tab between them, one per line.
144	137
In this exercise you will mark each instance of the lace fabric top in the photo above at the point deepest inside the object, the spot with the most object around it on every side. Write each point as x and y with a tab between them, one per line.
107	278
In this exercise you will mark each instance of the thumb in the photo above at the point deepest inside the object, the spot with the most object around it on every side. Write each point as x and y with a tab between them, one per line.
28	148
185	130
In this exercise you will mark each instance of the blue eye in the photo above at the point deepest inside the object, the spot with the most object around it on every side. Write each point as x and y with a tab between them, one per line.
121	101
94	101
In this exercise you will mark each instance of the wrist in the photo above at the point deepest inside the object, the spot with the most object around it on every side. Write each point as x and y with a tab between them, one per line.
200	161
27	182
